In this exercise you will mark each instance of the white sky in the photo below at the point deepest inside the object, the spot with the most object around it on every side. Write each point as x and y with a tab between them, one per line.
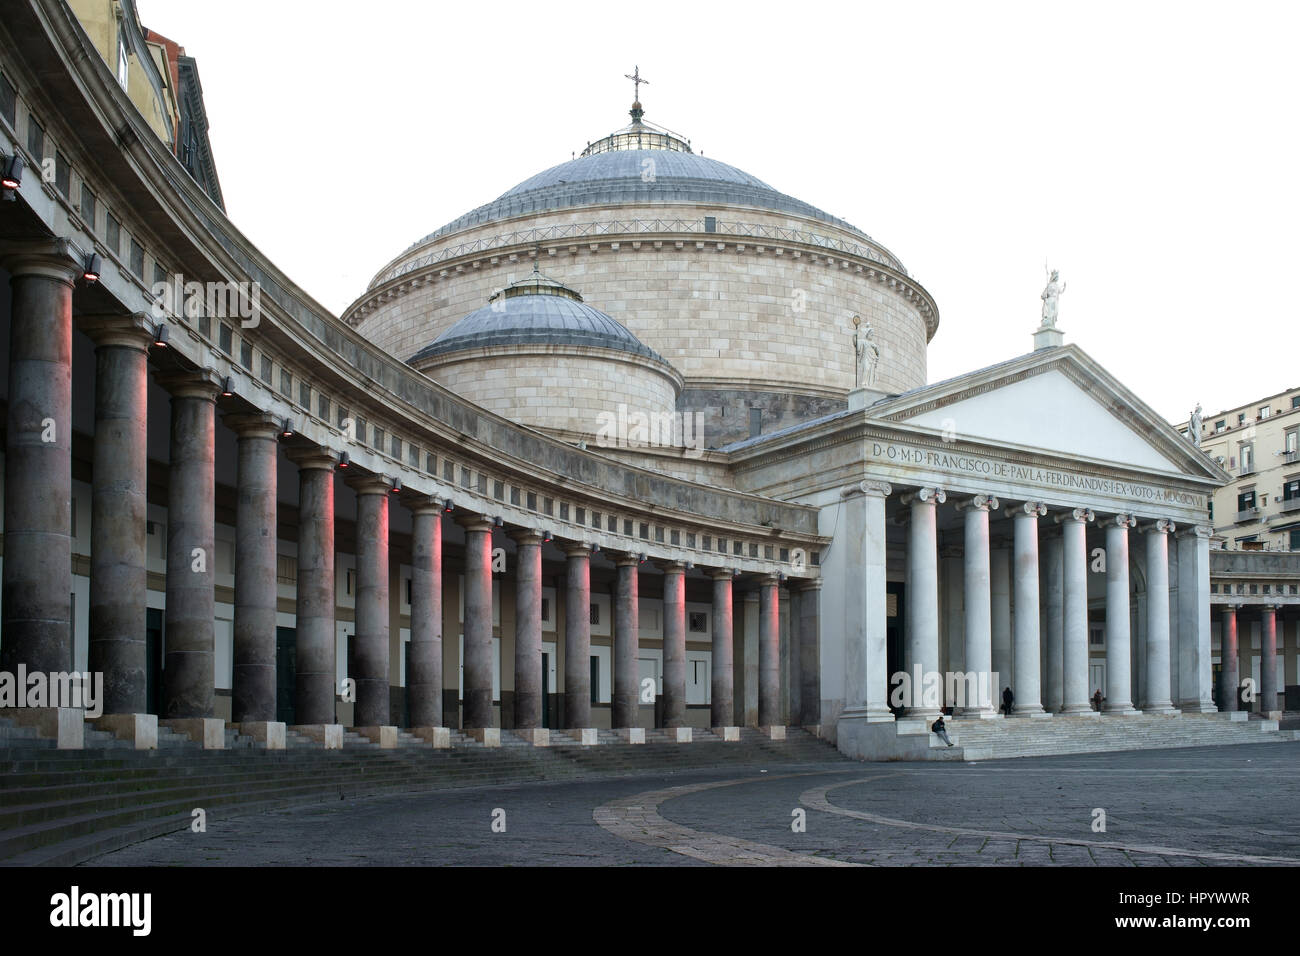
1149	151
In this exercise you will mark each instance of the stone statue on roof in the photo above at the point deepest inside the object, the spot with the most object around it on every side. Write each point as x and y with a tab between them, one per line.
1194	427
866	354
1051	296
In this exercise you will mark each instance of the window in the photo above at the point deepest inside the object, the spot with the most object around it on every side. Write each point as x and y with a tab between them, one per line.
1294	543
304	395
595	679
1247	458
8	101
225	338
1291	489
395	447
113	234
359	435
35	138
88	207
62	175
595	615
286	383
1241	418
122	62
379	438
698	622
137	259
246	354
1265	411
159	273
1292	441
413	459
1220	425
1295	401
267	377
1246	500
323	406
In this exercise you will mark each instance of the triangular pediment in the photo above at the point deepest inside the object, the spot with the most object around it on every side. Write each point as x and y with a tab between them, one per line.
1057	401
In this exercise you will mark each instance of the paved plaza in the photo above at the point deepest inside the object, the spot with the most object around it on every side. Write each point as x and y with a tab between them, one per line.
1213	806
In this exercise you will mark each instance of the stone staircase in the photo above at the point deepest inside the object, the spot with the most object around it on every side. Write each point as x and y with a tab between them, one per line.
1090	733
60	807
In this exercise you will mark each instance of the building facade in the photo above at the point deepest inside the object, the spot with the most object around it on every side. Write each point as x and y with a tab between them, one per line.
471	501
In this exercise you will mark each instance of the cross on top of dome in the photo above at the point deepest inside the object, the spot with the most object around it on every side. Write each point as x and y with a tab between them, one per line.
640	135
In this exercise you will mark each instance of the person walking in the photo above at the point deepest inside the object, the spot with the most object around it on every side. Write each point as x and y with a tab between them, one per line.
1008	699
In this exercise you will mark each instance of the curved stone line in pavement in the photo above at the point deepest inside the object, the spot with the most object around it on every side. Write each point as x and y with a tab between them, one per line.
817	799
637	818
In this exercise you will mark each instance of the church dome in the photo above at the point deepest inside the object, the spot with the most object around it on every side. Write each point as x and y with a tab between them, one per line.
536	311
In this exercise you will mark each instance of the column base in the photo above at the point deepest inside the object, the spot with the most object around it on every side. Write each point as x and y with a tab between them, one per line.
329	736
678	735
440	737
1271	714
487	736
1197	707
1076	710
208	732
773	732
631	735
1038	714
140	729
872	715
584	735
269	732
814	729
537	736
384	735
728	734
65	725
979	715
1128	710
1165	708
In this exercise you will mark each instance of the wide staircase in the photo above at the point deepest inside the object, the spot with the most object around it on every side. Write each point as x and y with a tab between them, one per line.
61	807
1092	733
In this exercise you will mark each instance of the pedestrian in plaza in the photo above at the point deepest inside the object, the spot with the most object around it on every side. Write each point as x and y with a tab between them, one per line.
1008	699
941	730
1096	700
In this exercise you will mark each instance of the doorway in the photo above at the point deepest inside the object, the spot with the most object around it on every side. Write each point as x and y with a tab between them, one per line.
286	669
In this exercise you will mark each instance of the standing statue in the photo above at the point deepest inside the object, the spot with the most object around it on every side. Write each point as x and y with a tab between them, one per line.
866	354
1050	297
1194	428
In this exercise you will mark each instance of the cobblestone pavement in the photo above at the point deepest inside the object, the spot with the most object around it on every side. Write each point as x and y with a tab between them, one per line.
1214	806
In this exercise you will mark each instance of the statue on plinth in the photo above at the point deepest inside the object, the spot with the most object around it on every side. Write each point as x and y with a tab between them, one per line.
1194	427
866	355
1051	297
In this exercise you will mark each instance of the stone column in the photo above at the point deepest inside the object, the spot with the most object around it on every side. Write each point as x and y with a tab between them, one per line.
1026	688
118	515
577	638
1195	670
370	656
1000	615
1119	679
1055	620
1074	652
674	709
37	578
808	648
424	659
978	609
866	677
923	597
723	707
1230	675
478	659
253	656
315	661
769	653
188	675
626	701
1268	661
1157	700
528	630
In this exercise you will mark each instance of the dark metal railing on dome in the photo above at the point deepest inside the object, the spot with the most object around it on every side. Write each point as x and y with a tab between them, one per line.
639	227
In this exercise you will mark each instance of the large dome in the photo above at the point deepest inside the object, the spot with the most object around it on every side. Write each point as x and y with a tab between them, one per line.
638	176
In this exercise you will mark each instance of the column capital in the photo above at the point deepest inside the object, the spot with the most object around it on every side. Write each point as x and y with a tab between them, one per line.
576	549
309	459
1195	531
766	580
1118	521
1081	515
870	487
201	383
134	331
1159	526
925	496
671	566
252	424
1035	508
720	574
364	484
423	505
804	584
51	259
526	535
980	502
473	522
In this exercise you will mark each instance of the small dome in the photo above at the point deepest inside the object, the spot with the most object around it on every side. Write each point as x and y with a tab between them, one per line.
537	310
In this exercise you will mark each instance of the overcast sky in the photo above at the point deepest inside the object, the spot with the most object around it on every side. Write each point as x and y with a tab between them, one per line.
1149	151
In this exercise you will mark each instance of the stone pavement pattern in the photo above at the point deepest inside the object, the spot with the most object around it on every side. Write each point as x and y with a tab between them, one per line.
1212	806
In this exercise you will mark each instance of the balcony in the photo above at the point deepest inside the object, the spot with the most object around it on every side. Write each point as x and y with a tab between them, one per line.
1289	505
1247	515
1291	457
